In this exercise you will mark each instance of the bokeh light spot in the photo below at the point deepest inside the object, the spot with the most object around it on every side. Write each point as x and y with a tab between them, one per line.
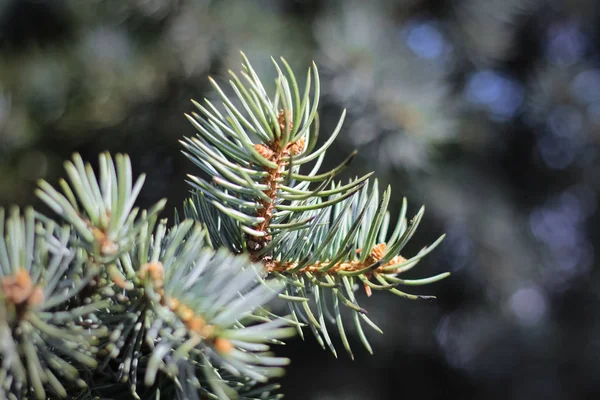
425	40
528	305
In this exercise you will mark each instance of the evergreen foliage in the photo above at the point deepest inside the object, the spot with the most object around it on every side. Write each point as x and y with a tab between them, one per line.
109	302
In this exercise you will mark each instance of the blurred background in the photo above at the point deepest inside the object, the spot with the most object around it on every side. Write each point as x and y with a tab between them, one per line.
485	111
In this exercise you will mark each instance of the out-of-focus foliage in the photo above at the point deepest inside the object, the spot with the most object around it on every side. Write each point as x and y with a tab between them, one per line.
488	110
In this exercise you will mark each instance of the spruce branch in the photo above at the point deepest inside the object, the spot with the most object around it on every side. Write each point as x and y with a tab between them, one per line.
101	210
43	343
194	308
148	311
179	313
319	237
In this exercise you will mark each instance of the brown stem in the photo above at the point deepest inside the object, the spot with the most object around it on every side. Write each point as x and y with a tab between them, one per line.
153	273
274	152
347	266
375	255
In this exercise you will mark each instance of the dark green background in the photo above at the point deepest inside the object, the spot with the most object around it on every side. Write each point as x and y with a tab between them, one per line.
485	111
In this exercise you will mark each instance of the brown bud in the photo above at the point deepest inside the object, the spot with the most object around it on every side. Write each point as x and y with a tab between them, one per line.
223	346
264	151
297	147
196	324
120	281
155	271
185	313
172	303
378	252
99	236
109	248
17	288
37	297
